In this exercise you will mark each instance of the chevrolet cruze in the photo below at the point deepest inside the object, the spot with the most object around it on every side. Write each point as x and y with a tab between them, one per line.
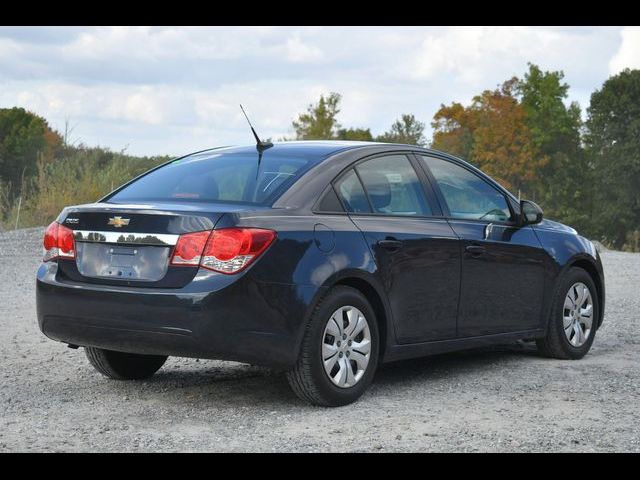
321	258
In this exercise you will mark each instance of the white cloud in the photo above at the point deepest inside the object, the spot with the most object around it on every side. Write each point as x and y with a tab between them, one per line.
448	53
467	54
147	105
9	48
628	55
299	51
156	43
144	107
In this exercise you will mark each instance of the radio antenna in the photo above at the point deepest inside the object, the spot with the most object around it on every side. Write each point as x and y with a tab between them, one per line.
260	145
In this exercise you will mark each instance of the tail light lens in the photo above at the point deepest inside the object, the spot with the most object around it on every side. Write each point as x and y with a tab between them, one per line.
189	249
227	250
230	250
58	242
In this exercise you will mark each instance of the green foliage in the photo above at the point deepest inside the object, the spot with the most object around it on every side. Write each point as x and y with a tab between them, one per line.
613	149
355	134
407	129
319	121
526	135
25	139
566	190
82	175
554	126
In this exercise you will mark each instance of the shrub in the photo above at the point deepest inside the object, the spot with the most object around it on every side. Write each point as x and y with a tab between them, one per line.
82	175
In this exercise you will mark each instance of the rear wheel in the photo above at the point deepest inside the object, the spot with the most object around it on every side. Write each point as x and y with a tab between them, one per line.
124	366
574	314
339	352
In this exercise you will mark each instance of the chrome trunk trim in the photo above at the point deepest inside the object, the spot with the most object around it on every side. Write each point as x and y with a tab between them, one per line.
125	237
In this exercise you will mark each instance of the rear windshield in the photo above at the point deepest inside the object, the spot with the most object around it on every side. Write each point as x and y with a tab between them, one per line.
222	177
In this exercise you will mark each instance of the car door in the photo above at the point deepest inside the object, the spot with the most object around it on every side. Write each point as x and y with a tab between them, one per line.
415	249
502	281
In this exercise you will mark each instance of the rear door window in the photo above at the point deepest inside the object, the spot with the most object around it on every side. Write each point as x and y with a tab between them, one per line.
393	187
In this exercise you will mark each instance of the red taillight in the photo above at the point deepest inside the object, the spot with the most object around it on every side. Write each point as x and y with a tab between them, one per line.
230	250
189	249
58	242
227	250
50	238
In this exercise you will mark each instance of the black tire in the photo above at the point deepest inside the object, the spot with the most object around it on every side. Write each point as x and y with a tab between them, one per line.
555	344
308	378
124	366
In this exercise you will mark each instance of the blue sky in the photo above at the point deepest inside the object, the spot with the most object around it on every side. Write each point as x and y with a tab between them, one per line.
173	90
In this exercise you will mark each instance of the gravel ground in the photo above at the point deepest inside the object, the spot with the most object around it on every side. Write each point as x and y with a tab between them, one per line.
498	399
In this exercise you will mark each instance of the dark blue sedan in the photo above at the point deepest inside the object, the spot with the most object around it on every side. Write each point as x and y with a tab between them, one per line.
321	258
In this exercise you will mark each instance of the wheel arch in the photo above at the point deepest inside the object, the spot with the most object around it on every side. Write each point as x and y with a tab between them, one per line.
366	284
588	264
379	306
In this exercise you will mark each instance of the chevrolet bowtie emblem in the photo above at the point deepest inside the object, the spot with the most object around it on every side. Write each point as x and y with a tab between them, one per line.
118	221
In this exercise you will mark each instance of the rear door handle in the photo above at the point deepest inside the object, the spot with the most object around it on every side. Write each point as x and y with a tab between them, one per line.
391	245
475	250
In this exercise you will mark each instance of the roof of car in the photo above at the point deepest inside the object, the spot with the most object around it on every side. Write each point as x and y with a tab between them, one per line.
307	148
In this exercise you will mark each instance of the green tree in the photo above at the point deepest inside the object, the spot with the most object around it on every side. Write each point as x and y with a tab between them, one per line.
359	134
613	146
553	125
407	129
563	187
319	121
25	138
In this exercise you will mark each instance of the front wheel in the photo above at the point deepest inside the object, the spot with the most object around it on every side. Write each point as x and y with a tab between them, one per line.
124	366
339	353
574	317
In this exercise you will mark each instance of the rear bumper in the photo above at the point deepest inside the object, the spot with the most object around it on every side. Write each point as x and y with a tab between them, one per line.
215	316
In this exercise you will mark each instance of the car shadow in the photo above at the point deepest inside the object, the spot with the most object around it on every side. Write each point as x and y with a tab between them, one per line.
231	382
451	365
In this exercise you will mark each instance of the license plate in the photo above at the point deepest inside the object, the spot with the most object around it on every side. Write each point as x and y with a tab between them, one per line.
122	261
143	262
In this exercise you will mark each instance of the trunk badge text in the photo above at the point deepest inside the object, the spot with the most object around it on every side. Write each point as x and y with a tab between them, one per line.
118	221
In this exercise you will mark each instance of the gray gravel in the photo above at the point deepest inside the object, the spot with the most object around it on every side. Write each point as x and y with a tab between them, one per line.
498	399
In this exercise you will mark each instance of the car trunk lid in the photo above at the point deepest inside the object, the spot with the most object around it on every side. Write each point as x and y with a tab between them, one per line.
132	244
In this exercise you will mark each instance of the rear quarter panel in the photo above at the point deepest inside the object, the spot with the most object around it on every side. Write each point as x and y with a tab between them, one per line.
312	252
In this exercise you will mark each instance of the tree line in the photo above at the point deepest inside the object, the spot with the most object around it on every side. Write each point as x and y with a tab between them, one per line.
582	170
42	171
320	122
585	173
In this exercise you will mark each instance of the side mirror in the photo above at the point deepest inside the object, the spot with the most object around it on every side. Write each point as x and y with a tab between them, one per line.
531	213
